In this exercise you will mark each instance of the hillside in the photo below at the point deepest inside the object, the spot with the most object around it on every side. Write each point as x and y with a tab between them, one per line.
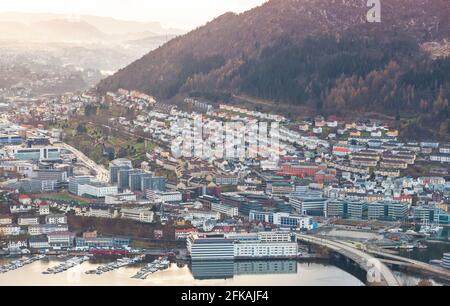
317	53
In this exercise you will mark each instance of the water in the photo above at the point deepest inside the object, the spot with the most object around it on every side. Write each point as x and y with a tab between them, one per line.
435	250
256	273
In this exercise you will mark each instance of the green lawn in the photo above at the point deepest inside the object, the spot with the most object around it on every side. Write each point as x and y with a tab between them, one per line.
63	198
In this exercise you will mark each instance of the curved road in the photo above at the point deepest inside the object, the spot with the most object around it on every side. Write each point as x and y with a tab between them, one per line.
102	173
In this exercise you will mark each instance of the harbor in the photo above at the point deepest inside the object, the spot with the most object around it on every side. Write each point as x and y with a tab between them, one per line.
260	273
70	263
119	263
16	264
153	267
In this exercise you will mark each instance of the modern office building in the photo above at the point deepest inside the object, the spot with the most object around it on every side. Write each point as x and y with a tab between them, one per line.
48	153
242	246
135	179
246	207
124	179
115	166
283	220
10	139
210	248
310	206
431	215
96	189
50	175
387	211
75	181
155	183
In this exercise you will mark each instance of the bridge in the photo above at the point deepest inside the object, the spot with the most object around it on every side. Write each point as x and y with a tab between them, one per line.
363	259
412	264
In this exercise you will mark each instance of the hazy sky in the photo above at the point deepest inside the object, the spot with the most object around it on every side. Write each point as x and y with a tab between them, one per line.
185	14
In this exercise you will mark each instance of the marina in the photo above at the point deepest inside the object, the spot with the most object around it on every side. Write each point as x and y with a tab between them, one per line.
16	264
119	263
236	274
72	262
155	266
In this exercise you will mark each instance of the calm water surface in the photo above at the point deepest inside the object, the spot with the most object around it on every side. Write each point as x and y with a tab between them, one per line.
290	273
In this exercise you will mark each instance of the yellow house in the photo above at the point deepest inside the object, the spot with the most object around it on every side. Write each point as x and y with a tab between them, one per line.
392	133
350	126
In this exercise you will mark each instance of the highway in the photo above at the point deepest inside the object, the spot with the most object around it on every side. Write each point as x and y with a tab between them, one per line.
102	174
365	260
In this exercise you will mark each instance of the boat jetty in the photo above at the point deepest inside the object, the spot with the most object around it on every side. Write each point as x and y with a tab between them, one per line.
161	263
72	262
122	262
16	264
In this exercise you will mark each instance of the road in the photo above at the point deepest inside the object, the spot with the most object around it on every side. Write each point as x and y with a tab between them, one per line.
102	174
365	260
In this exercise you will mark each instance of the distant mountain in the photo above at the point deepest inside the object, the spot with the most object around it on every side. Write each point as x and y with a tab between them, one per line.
53	26
321	54
63	30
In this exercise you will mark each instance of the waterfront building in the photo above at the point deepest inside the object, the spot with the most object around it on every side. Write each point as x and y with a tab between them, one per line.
38	242
267	245
61	239
101	242
431	215
210	248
